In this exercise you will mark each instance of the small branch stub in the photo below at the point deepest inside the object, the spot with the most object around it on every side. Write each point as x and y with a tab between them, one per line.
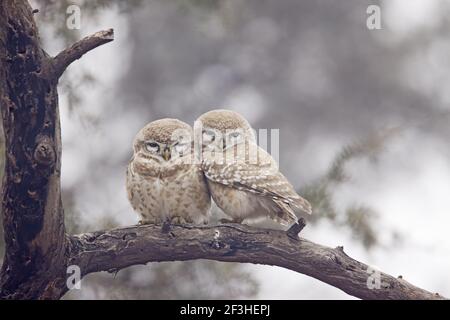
296	228
78	49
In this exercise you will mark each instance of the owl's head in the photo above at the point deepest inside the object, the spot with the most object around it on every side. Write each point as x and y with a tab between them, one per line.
163	140
222	129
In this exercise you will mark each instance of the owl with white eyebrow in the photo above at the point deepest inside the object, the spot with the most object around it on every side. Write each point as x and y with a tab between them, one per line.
243	179
164	184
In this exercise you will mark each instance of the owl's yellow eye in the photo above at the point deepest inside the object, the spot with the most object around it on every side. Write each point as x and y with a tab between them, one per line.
152	147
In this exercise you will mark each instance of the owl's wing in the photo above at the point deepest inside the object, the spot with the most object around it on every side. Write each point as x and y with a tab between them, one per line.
129	179
260	177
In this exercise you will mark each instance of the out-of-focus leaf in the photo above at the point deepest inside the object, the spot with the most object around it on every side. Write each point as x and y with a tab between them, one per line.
320	193
361	221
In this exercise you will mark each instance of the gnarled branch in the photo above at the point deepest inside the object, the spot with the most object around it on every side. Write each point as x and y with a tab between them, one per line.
78	49
115	249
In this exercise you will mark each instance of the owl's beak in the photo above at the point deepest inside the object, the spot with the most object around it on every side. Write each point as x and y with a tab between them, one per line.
166	153
224	144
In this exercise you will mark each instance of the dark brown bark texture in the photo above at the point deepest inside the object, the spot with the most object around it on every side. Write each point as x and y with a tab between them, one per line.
113	250
31	206
37	249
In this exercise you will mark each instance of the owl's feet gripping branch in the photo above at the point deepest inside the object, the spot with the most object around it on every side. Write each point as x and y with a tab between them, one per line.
38	250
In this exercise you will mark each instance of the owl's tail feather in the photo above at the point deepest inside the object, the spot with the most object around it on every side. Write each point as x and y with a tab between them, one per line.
285	216
301	204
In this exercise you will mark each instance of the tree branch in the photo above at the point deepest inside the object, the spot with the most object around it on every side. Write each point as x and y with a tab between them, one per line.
78	49
115	249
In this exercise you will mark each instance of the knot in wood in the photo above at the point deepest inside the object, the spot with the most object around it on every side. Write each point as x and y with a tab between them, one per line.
215	243
44	153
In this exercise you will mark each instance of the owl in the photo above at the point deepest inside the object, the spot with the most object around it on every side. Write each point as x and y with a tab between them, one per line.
164	184
243	179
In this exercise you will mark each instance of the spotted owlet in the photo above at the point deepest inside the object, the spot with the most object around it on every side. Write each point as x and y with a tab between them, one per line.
164	184
243	179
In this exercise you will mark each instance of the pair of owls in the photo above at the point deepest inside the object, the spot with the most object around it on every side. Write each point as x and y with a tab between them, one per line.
175	170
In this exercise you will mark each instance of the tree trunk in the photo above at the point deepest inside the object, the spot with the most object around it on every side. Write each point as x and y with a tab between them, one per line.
35	242
38	251
32	213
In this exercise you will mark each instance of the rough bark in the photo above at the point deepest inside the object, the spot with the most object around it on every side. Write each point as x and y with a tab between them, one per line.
113	250
38	251
32	213
33	218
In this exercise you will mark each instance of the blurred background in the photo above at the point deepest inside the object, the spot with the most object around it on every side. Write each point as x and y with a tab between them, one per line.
363	117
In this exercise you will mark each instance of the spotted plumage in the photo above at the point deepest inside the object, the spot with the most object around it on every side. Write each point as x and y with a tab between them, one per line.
163	181
243	179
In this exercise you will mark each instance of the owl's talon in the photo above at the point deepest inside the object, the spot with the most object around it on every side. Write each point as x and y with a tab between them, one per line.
235	220
179	221
166	226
